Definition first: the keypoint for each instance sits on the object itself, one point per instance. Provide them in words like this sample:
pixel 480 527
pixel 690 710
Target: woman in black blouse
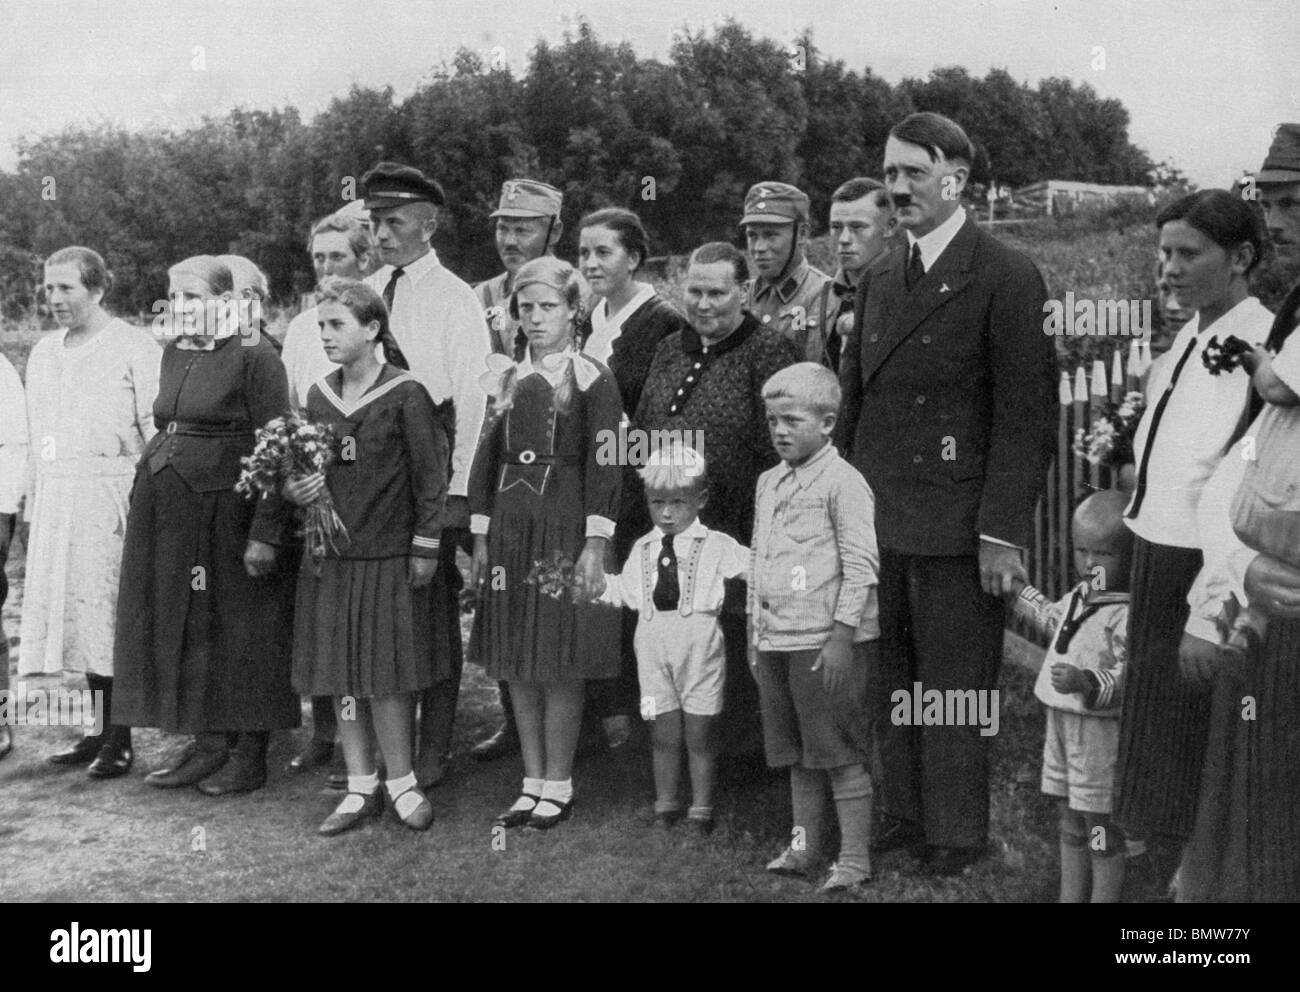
pixel 205 613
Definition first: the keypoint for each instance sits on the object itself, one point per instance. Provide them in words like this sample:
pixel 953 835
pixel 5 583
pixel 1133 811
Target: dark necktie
pixel 915 270
pixel 1140 490
pixel 392 353
pixel 667 591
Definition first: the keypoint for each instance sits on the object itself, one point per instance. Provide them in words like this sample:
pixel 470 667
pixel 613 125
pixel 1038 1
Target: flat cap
pixel 389 184
pixel 528 198
pixel 775 203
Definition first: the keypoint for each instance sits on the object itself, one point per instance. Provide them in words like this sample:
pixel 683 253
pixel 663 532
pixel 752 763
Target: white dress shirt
pixel 13 438
pixel 606 329
pixel 1202 413
pixel 438 323
pixel 721 558
pixel 934 243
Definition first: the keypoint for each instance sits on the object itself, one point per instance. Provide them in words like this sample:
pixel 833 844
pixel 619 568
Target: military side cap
pixel 528 198
pixel 1283 162
pixel 775 203
pixel 391 185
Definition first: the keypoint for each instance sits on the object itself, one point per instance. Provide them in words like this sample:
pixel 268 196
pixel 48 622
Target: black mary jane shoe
pixel 372 807
pixel 517 817
pixel 83 752
pixel 543 821
pixel 113 761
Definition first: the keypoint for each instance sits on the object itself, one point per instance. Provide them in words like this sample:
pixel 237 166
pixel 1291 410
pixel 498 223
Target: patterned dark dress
pixel 538 479
pixel 200 646
pixel 359 629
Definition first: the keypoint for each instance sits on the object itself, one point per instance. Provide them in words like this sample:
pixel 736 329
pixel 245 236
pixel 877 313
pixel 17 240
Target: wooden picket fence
pixel 1070 478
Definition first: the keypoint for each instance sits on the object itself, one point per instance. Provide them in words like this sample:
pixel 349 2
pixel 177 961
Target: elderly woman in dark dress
pixel 205 614
pixel 709 377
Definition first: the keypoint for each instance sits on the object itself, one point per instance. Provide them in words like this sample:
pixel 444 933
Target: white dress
pixel 89 413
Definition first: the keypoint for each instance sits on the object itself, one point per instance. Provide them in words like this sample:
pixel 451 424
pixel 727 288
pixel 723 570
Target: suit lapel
pixel 902 312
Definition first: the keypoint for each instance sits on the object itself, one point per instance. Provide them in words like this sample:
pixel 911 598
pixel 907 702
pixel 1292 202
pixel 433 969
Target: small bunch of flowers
pixel 554 575
pixel 1224 356
pixel 291 447
pixel 1110 440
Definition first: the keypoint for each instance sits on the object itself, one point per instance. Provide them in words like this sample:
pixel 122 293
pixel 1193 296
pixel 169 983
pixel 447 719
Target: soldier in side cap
pixel 528 226
pixel 437 331
pixel 787 293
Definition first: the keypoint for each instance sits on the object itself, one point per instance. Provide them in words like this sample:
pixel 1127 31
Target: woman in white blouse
pixel 13 471
pixel 90 393
pixel 1209 243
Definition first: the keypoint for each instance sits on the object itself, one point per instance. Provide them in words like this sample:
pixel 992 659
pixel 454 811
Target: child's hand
pixel 835 662
pixel 1068 678
pixel 753 656
pixel 589 572
pixel 595 592
pixel 259 559
pixel 420 571
pixel 1198 659
pixel 304 490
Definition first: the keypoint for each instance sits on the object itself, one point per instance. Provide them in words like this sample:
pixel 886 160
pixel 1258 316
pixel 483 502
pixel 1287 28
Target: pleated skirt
pixel 1246 843
pixel 1164 723
pixel 360 630
pixel 520 632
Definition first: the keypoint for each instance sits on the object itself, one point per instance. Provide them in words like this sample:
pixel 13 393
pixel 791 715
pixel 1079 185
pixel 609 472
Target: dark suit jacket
pixel 950 396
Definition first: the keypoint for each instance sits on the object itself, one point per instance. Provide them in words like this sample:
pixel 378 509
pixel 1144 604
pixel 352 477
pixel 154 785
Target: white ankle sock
pixel 532 787
pixel 366 785
pixel 404 788
pixel 556 794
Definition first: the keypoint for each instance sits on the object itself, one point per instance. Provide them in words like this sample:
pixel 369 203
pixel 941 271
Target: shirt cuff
pixel 598 526
pixel 425 547
pixel 998 540
pixel 1204 628
pixel 478 523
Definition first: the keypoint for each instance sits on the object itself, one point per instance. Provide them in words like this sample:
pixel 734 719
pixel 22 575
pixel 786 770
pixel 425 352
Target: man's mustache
pixel 901 199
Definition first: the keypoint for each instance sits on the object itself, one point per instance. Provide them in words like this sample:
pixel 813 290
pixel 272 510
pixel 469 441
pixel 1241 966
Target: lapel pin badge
pixel 944 288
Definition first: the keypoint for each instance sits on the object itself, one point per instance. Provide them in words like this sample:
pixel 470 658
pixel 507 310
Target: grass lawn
pixel 64 836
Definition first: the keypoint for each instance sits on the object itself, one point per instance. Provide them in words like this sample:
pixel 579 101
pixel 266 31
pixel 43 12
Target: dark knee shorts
pixel 805 725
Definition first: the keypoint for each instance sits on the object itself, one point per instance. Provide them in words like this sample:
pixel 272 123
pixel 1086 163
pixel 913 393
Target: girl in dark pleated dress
pixel 362 630
pixel 538 491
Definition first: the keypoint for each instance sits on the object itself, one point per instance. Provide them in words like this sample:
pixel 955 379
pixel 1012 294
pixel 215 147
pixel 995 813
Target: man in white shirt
pixel 439 333
pixel 13 481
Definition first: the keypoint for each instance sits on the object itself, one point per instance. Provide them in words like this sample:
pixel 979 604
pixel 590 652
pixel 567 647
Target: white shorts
pixel 680 663
pixel 1079 758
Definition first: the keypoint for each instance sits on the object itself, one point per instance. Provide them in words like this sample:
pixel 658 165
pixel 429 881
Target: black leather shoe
pixel 945 862
pixel 317 754
pixel 502 744
pixel 191 766
pixel 896 834
pixel 82 753
pixel 237 775
pixel 113 761
pixel 517 817
pixel 372 807
pixel 543 821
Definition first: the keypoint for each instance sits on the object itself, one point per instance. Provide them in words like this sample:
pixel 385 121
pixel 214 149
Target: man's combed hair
pixel 857 188
pixel 721 251
pixel 810 385
pixel 937 134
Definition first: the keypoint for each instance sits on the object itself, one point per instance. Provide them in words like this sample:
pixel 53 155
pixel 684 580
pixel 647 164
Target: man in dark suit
pixel 950 413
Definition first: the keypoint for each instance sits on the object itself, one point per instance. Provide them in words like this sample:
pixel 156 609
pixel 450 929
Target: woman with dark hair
pixel 205 621
pixel 625 326
pixel 1209 243
pixel 90 391
pixel 539 494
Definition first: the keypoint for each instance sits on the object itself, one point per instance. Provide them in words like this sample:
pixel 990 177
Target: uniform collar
pixel 787 287
pixel 934 243
pixel 692 343
pixel 809 472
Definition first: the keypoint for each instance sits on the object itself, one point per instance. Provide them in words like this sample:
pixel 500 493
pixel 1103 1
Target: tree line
pixel 678 141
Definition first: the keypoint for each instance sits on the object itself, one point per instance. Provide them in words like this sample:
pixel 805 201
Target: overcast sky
pixel 1204 80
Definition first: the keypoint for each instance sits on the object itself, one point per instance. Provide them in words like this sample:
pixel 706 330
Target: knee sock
pixel 1074 867
pixel 851 787
pixel 808 797
pixel 1108 862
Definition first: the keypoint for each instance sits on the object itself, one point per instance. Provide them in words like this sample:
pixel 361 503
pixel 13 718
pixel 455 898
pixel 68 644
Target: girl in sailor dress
pixel 540 493
pixel 362 630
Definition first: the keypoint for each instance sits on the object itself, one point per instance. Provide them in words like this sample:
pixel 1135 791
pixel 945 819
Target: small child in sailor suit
pixel 674 578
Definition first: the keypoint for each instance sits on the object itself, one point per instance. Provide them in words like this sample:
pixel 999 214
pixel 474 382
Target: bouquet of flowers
pixel 553 575
pixel 1224 356
pixel 1110 440
pixel 290 447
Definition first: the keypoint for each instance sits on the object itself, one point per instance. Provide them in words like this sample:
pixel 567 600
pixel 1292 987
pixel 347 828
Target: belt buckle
pixel 171 427
pixel 527 457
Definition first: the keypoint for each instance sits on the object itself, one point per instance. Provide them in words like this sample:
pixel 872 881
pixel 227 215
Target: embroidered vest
pixel 650 568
